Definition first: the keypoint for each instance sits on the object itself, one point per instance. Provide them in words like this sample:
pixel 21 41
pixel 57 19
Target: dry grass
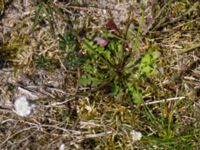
pixel 81 119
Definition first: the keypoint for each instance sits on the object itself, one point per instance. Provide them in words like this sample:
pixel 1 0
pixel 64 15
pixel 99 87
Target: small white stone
pixel 136 136
pixel 62 147
pixel 22 106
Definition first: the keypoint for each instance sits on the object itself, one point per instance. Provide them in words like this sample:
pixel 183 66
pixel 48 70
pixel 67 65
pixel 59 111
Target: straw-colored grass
pixel 32 64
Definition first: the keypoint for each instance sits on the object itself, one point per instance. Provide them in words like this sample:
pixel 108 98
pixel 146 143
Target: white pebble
pixel 62 147
pixel 136 136
pixel 22 106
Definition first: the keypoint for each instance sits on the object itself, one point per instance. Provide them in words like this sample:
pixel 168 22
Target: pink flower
pixel 101 41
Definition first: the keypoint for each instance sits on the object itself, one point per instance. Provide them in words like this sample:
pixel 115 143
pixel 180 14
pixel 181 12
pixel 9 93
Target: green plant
pixel 45 63
pixel 44 12
pixel 69 45
pixel 167 128
pixel 115 66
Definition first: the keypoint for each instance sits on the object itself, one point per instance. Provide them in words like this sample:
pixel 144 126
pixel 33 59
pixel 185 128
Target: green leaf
pixel 107 54
pixel 147 70
pixel 146 59
pixel 67 42
pixel 39 10
pixel 88 68
pixel 84 81
pixel 148 63
pixel 89 46
pixel 136 95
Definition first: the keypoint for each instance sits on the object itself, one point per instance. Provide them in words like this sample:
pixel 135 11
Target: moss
pixel 11 48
